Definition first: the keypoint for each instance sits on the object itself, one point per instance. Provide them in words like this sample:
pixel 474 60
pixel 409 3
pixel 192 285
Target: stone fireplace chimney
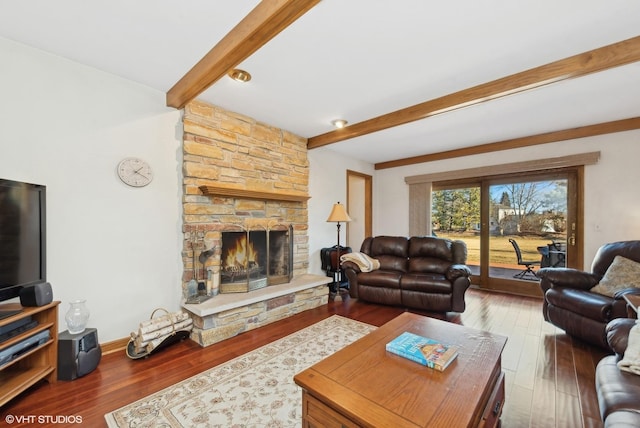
pixel 240 174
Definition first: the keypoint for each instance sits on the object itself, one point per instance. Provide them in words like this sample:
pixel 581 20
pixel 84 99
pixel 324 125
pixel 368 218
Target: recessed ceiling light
pixel 239 75
pixel 339 123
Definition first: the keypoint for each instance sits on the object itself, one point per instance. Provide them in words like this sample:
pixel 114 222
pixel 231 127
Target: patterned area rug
pixel 253 390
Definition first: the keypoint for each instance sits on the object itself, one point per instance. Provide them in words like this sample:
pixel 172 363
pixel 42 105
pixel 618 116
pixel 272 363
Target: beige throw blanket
pixel 631 360
pixel 364 262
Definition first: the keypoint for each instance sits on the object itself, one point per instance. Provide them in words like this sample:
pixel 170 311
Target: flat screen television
pixel 22 238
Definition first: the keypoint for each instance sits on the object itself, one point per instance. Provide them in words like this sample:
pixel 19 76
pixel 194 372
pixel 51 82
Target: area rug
pixel 253 390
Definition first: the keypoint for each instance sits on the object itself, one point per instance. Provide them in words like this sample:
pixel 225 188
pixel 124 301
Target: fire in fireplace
pixel 254 259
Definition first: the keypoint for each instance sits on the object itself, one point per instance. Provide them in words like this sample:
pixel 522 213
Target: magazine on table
pixel 423 350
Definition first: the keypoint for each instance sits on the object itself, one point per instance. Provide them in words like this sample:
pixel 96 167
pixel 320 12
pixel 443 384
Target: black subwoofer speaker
pixel 78 354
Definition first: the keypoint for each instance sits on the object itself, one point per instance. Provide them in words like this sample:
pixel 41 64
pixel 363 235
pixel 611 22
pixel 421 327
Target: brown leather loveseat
pixel 570 304
pixel 618 391
pixel 425 273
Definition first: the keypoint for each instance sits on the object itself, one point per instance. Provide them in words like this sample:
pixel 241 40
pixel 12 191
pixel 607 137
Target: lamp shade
pixel 338 214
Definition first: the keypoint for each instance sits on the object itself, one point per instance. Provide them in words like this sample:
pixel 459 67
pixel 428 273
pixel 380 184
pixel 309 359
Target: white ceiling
pixel 359 59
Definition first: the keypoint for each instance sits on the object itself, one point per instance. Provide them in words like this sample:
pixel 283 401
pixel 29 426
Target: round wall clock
pixel 135 172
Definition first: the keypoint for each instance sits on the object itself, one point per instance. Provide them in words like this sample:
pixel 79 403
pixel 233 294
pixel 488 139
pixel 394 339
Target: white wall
pixel 328 185
pixel 67 126
pixel 612 206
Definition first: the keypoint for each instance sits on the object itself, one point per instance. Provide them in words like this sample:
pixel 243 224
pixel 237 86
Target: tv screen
pixel 22 236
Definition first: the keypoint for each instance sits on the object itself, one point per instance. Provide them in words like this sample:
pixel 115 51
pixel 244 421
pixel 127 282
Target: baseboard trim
pixel 114 346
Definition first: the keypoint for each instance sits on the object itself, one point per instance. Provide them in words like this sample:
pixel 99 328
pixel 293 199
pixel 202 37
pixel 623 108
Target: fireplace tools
pixel 196 289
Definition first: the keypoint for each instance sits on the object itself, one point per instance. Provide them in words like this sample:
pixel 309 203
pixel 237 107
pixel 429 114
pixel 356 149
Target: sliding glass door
pixel 512 225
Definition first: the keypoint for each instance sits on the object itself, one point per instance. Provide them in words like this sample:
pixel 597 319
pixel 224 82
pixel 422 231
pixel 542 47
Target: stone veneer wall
pixel 230 150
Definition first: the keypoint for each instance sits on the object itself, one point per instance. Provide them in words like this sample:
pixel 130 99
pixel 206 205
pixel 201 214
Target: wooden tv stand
pixel 36 364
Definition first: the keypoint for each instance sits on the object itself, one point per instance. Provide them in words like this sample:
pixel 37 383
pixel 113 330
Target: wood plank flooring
pixel 549 376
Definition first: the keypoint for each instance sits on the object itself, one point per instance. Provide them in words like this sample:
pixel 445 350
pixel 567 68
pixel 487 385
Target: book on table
pixel 428 352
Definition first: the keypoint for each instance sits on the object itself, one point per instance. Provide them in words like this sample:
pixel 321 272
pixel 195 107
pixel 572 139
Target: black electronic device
pixel 39 294
pixel 78 354
pixel 17 327
pixel 12 352
pixel 4 329
pixel 22 238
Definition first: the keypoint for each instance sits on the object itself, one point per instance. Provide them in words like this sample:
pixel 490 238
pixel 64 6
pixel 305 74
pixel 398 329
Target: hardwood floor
pixel 549 376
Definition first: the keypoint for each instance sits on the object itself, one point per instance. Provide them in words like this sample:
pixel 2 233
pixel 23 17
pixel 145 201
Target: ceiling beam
pixel 263 23
pixel 532 140
pixel 614 55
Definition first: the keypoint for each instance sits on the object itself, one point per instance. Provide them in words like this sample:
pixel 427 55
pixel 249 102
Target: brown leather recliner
pixel 569 303
pixel 425 273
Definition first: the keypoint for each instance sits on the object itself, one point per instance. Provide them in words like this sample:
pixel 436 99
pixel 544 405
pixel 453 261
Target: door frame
pixel 575 251
pixel 575 216
pixel 367 202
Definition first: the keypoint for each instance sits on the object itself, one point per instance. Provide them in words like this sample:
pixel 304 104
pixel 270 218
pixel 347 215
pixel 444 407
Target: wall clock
pixel 135 172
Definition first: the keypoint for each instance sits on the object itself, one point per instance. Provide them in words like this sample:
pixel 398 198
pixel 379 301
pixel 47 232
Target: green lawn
pixel 501 250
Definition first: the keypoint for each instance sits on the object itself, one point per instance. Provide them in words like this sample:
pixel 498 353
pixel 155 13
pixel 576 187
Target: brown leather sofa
pixel 425 273
pixel 569 303
pixel 618 391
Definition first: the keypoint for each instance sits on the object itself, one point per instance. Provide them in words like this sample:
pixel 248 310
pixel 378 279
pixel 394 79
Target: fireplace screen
pixel 254 259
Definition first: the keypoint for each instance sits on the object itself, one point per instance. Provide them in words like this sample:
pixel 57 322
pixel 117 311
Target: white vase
pixel 77 316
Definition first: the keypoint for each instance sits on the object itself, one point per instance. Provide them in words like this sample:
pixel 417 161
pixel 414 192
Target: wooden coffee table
pixel 364 385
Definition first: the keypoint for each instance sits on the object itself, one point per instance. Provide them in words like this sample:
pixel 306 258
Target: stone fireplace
pixel 245 180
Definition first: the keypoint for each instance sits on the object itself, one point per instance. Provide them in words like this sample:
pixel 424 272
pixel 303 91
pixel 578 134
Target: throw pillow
pixel 622 273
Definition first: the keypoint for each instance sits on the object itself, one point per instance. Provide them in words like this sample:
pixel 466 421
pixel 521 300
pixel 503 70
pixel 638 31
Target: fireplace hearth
pixel 254 259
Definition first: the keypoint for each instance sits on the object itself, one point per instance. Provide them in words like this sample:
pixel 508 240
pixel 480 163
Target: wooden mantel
pixel 252 194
